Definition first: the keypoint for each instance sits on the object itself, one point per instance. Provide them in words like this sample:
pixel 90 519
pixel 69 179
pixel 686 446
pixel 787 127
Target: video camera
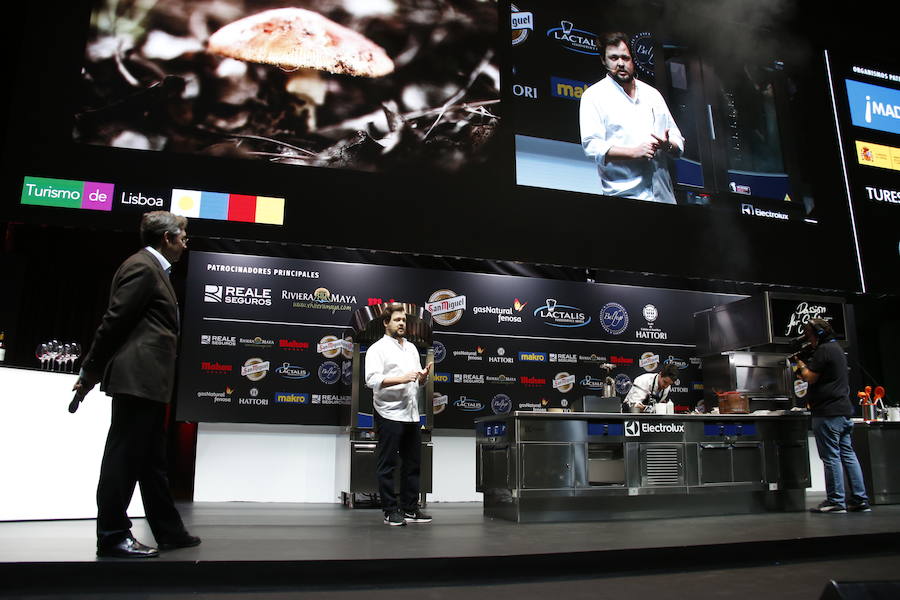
pixel 801 349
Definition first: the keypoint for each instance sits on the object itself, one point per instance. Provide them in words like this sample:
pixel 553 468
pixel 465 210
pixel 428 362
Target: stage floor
pixel 325 544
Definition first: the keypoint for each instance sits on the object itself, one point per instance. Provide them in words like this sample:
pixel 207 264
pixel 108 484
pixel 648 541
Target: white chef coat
pixel 610 117
pixel 387 358
pixel 643 386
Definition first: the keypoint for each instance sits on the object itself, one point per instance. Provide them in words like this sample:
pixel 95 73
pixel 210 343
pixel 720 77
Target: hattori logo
pixel 650 331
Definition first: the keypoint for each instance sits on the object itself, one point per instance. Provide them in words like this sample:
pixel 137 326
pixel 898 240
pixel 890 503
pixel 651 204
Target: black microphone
pixel 76 400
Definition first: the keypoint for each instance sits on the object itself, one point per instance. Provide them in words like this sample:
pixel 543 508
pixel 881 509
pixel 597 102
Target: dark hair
pixel 390 310
pixel 155 224
pixel 820 328
pixel 613 38
pixel 670 371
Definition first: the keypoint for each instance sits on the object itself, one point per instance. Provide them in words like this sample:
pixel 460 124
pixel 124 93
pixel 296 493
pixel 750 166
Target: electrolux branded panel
pixel 265 339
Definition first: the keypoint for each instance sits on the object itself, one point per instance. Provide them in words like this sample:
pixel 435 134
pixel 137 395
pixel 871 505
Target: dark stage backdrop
pixel 262 338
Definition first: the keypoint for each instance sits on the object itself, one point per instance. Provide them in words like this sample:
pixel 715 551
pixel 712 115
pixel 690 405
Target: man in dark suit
pixel 133 358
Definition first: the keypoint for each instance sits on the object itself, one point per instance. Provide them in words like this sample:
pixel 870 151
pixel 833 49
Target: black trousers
pixel 135 453
pixel 398 442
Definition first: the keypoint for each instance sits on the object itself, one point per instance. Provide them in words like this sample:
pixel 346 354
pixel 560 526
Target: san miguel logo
pixel 522 23
pixel 446 307
pixel 561 315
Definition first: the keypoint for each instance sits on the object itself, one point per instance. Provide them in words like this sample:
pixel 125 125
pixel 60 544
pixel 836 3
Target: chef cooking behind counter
pixel 649 389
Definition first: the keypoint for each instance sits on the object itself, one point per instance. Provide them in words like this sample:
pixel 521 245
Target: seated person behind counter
pixel 649 389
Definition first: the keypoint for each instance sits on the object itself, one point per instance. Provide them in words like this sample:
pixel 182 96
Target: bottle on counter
pixel 2 346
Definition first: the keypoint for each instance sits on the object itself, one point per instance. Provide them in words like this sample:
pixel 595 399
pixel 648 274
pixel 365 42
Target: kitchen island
pixel 534 466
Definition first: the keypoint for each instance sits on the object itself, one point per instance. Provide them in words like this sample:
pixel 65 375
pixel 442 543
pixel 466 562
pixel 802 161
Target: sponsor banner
pixel 281 326
pixel 877 155
pixel 874 106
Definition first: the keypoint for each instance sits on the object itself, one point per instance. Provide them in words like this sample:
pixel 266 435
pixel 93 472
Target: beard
pixel 621 77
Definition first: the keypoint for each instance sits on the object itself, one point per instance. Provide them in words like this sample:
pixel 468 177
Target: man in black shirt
pixel 829 401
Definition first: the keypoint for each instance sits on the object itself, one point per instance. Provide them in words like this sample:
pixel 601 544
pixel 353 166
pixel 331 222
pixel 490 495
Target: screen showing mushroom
pixel 371 85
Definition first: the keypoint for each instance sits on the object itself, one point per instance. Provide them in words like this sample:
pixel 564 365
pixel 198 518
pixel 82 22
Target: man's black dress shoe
pixel 185 541
pixel 126 548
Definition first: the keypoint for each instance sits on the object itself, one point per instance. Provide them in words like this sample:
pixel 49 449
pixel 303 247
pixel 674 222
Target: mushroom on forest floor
pixel 302 42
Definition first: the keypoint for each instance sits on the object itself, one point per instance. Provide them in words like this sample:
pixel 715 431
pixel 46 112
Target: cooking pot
pixel 733 403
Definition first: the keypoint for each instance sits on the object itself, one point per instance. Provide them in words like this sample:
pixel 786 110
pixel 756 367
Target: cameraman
pixel 829 401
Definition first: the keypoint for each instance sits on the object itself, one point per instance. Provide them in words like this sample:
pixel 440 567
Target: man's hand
pixel 647 149
pixel 84 385
pixel 663 143
pixel 423 374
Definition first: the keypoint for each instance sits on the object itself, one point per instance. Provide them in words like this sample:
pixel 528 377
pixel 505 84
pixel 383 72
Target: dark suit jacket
pixel 134 347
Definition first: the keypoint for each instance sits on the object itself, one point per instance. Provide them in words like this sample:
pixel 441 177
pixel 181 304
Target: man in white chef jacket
pixel 628 130
pixel 394 372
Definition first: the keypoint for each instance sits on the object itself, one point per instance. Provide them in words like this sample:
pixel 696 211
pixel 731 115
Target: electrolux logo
pixel 66 193
pixel 636 428
pixel 749 209
pixel 560 87
pixel 874 106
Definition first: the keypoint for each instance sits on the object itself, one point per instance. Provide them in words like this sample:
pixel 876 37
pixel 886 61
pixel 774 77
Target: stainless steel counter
pixel 594 466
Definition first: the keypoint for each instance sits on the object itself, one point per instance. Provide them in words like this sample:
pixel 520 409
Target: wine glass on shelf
pixel 64 356
pixel 52 352
pixel 76 354
pixel 41 353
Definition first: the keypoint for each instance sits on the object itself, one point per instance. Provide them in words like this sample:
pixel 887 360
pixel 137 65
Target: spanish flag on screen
pixel 228 207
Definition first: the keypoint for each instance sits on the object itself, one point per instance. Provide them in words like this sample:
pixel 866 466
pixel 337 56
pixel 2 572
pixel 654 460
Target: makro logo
pixel 560 87
pixel 290 398
pixel 67 193
pixel 561 315
pixel 522 23
pixel 749 209
pixel 576 40
pixel 443 377
pixel 229 294
pixel 874 106
pixel 532 356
